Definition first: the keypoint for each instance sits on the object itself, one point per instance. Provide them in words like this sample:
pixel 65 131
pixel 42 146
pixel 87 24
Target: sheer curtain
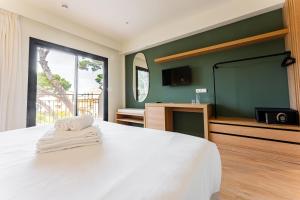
pixel 11 77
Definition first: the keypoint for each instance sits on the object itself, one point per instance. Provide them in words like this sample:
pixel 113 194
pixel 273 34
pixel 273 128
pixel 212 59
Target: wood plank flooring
pixel 250 177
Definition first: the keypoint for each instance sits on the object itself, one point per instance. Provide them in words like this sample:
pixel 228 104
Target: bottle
pixel 198 98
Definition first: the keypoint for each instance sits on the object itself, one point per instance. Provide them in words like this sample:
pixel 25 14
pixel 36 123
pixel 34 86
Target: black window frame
pixel 32 76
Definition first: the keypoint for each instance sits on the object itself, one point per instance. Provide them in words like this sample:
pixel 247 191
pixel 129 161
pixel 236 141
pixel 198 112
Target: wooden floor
pixel 249 177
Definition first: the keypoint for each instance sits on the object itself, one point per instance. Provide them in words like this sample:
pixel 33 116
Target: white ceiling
pixel 109 17
pixel 150 22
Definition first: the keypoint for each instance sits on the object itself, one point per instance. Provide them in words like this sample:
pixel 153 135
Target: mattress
pixel 131 164
pixel 132 111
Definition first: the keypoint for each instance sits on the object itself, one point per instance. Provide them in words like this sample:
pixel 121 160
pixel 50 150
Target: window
pixel 64 82
pixel 142 83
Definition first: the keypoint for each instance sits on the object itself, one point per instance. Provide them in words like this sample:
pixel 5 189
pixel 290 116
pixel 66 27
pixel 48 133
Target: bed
pixel 131 164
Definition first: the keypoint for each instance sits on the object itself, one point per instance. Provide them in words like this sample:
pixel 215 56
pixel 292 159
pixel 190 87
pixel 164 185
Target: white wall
pixel 41 31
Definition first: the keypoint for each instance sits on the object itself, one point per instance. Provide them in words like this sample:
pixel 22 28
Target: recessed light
pixel 64 6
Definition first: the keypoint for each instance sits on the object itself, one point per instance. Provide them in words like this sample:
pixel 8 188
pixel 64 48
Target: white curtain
pixel 11 77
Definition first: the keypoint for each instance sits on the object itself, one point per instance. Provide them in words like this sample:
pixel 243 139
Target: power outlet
pixel 201 90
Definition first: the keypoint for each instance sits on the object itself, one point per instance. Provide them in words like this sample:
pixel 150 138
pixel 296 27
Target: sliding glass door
pixel 55 95
pixel 90 86
pixel 64 82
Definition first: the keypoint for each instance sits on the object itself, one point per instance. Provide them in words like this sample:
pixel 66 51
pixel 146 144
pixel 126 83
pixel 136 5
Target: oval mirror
pixel 140 77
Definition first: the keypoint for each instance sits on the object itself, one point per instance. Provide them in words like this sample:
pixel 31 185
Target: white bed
pixel 130 164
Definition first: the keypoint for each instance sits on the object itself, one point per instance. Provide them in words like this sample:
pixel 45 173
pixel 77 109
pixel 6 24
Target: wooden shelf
pixel 252 123
pixel 130 117
pixel 224 46
pixel 130 120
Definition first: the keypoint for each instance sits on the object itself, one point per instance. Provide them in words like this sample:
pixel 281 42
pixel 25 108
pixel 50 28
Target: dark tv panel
pixel 166 77
pixel 177 76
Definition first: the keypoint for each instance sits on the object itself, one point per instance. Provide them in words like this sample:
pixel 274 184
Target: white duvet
pixel 130 164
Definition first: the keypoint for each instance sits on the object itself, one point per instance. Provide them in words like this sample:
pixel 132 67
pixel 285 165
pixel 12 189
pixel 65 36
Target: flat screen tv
pixel 177 76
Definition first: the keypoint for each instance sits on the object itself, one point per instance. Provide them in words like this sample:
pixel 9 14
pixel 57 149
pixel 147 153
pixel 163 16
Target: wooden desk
pixel 160 115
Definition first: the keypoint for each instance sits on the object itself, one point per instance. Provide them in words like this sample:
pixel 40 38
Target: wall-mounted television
pixel 177 76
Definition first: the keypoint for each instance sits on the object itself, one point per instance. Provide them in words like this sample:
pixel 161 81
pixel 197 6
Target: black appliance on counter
pixel 277 116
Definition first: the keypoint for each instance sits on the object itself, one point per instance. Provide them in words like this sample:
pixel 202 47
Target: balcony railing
pixel 50 108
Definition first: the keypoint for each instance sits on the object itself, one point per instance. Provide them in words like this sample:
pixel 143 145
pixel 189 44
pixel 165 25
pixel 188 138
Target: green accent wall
pixel 240 86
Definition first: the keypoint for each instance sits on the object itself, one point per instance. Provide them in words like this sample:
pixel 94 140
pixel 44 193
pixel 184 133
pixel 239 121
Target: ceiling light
pixel 64 6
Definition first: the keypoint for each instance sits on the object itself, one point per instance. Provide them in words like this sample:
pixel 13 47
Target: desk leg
pixel 169 119
pixel 206 114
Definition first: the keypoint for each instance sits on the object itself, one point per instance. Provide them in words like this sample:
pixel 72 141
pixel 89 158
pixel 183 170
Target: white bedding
pixel 132 111
pixel 131 164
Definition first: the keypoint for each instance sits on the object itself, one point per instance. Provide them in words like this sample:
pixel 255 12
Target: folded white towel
pixel 69 146
pixel 74 123
pixel 56 135
pixel 80 122
pixel 68 142
pixel 55 140
pixel 62 124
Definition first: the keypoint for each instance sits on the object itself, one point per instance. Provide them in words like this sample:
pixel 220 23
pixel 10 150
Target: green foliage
pixel 94 65
pixel 44 82
pixel 99 80
pixel 87 64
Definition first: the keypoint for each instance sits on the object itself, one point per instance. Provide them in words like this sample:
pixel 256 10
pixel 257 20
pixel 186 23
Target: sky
pixel 64 64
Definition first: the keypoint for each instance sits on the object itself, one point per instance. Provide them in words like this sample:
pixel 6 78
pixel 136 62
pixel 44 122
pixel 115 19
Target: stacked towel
pixel 67 135
pixel 62 125
pixel 74 123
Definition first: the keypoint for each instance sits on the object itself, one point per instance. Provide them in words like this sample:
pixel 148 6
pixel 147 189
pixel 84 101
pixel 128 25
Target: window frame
pixel 32 76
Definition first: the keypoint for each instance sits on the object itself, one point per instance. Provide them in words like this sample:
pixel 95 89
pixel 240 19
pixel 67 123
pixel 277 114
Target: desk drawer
pixel 257 147
pixel 265 133
pixel 155 118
